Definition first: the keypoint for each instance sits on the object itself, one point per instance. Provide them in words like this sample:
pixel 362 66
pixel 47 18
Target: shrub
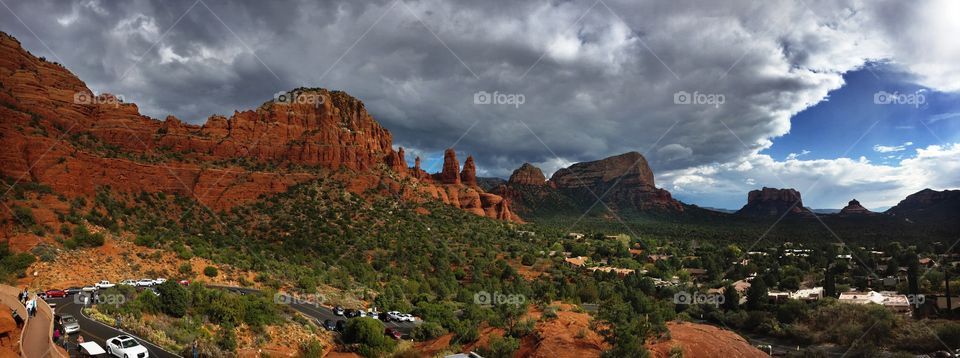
pixel 368 332
pixel 173 298
pixel 24 216
pixel 186 269
pixel 427 331
pixel 311 349
pixel 227 338
pixel 210 271
pixel 500 347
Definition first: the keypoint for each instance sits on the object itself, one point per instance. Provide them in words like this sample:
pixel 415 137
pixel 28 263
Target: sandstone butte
pixel 773 202
pixel 55 131
pixel 626 179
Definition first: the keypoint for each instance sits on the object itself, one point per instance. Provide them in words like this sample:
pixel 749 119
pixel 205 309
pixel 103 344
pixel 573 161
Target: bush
pixel 84 238
pixel 24 216
pixel 528 260
pixel 173 298
pixel 311 349
pixel 186 269
pixel 368 332
pixel 226 338
pixel 427 331
pixel 210 271
pixel 500 347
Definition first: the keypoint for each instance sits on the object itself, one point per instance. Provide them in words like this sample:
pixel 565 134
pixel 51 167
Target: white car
pixel 394 315
pixel 145 282
pixel 159 281
pixel 89 288
pixel 406 317
pixel 126 347
pixel 104 284
pixel 128 283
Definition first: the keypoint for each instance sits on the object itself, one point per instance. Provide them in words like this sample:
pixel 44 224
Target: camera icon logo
pixel 482 97
pixel 82 98
pixel 883 97
pixel 283 96
pixel 682 298
pixel 682 97
pixel 482 298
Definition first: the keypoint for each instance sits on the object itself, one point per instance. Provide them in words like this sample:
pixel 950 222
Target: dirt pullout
pixel 701 340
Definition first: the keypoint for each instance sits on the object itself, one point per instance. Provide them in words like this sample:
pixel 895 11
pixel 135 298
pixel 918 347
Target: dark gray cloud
pixel 598 78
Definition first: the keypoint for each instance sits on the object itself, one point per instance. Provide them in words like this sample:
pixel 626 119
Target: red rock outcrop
pixel 854 208
pixel 57 132
pixel 451 168
pixel 772 202
pixel 469 174
pixel 527 174
pixel 626 179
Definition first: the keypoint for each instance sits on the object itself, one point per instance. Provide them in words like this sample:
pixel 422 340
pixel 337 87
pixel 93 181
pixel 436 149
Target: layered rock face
pixel 469 174
pixel 929 205
pixel 626 178
pixel 854 208
pixel 772 202
pixel 527 174
pixel 56 132
pixel 450 173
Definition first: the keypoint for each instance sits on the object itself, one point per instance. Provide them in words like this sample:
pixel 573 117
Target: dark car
pixel 329 325
pixel 73 290
pixel 383 316
pixel 341 324
pixel 55 293
pixel 393 333
pixel 350 313
pixel 338 311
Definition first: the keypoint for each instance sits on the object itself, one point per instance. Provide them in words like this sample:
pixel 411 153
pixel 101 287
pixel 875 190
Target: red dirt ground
pixel 706 341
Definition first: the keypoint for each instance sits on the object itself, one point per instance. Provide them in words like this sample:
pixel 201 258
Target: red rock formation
pixel 854 208
pixel 469 174
pixel 626 179
pixel 773 202
pixel 451 168
pixel 527 174
pixel 56 132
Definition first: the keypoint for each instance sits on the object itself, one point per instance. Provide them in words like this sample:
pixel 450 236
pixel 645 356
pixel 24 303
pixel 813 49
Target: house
pixel 622 272
pixel 655 258
pixel 636 252
pixel 891 300
pixel 927 262
pixel 696 272
pixel 575 236
pixel 807 294
pixel 526 233
pixel 578 261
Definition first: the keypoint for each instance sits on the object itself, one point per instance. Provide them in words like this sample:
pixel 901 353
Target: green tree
pixel 368 332
pixel 757 294
pixel 174 299
pixel 210 271
pixel 501 347
pixel 731 298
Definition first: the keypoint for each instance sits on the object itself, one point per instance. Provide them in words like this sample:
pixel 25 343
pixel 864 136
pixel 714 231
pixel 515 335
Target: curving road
pixel 96 331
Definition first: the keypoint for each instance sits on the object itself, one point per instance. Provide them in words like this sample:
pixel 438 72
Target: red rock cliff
pixel 56 132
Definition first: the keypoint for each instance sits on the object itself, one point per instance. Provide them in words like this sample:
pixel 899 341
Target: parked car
pixel 329 325
pixel 383 316
pixel 406 317
pixel 91 349
pixel 70 324
pixel 128 283
pixel 341 324
pixel 73 290
pixel 372 313
pixel 184 282
pixel 89 288
pixel 350 313
pixel 393 333
pixel 338 311
pixel 104 284
pixel 125 346
pixel 393 316
pixel 159 281
pixel 55 293
pixel 145 282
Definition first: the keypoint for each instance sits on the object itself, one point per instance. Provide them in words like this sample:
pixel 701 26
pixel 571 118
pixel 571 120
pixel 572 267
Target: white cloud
pixel 895 148
pixel 824 183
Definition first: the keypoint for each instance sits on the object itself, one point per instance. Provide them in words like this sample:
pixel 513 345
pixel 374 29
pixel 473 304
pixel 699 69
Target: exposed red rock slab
pixel 704 341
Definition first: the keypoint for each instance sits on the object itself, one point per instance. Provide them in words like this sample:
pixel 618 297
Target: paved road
pixel 98 332
pixel 321 313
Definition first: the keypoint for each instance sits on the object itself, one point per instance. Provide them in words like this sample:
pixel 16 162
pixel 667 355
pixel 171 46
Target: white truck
pixel 104 284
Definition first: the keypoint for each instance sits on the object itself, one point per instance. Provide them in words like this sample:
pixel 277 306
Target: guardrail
pixel 8 296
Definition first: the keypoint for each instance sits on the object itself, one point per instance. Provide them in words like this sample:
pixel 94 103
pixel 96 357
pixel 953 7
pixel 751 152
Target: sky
pixel 839 99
